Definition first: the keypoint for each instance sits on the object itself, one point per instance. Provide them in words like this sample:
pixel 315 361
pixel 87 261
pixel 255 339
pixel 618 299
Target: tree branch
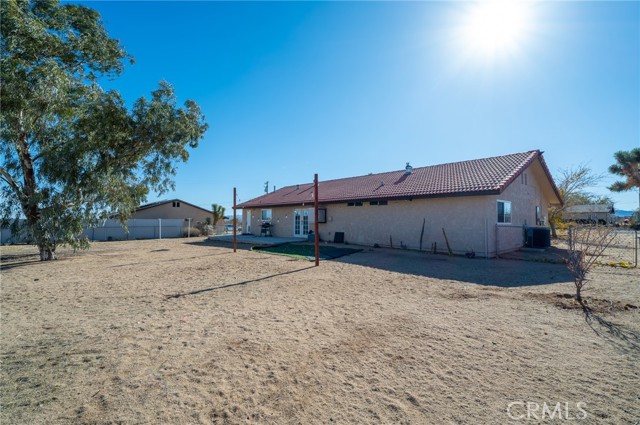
pixel 7 177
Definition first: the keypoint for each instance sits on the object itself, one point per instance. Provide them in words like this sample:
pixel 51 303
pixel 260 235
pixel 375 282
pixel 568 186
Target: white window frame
pixel 262 215
pixel 504 215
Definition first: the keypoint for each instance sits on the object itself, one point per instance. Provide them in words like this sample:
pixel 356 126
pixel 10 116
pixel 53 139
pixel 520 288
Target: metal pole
pixel 315 225
pixel 159 228
pixel 189 231
pixel 234 221
pixel 636 246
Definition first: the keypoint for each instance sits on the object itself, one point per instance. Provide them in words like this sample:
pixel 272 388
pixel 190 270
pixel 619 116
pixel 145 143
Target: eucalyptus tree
pixel 72 152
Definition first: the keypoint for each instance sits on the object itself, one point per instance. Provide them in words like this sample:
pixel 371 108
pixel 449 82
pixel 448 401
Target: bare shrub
pixel 193 232
pixel 586 245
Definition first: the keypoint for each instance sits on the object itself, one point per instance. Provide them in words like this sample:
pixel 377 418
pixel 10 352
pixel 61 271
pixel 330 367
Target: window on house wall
pixel 504 212
pixel 382 203
pixel 176 204
pixel 265 215
pixel 350 204
pixel 358 204
pixel 538 218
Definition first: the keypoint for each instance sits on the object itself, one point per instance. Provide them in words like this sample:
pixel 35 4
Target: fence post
pixel 570 238
pixel 159 228
pixel 636 247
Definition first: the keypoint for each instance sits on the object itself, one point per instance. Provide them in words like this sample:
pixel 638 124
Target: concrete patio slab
pixel 254 240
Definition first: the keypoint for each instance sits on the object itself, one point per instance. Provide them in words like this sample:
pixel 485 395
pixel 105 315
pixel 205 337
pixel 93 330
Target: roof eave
pixel 374 198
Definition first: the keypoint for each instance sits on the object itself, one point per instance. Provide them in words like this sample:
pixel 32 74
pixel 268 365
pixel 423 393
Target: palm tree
pixel 218 213
pixel 628 166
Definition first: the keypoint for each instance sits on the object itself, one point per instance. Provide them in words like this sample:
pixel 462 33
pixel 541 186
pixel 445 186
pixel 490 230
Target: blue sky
pixel 348 88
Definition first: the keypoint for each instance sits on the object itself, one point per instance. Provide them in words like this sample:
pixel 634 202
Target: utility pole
pixel 235 243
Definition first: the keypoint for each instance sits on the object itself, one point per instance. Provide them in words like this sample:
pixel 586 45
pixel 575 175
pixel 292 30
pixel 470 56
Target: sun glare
pixel 494 28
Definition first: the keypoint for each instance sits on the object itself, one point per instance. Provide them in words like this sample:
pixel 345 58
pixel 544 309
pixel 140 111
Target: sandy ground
pixel 181 332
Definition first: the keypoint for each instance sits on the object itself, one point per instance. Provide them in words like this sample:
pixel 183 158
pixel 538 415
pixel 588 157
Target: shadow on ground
pixel 220 244
pixel 488 272
pixel 621 337
pixel 231 285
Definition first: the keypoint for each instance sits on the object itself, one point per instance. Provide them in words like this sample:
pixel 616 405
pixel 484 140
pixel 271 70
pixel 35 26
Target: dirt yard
pixel 181 332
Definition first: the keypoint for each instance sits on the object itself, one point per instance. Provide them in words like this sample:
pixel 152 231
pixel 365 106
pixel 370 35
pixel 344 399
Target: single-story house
pixel 592 213
pixel 172 209
pixel 479 206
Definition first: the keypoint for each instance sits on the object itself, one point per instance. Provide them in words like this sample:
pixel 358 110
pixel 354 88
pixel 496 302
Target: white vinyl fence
pixel 111 230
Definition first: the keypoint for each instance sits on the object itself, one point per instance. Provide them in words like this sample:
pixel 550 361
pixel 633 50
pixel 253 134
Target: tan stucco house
pixel 483 205
pixel 173 209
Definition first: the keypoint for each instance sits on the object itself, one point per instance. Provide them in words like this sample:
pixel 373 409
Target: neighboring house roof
pixel 169 201
pixel 476 177
pixel 591 208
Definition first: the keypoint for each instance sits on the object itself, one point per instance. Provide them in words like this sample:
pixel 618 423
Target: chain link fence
pixel 623 250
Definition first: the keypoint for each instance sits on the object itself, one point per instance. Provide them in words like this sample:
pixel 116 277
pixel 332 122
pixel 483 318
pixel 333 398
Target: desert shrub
pixel 204 227
pixel 587 244
pixel 195 232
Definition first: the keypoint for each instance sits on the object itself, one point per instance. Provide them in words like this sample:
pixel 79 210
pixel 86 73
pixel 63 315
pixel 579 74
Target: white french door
pixel 300 223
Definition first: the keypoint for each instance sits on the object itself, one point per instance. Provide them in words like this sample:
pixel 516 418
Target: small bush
pixel 195 232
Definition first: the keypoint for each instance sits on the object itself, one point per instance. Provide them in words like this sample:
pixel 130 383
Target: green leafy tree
pixel 628 166
pixel 72 152
pixel 218 213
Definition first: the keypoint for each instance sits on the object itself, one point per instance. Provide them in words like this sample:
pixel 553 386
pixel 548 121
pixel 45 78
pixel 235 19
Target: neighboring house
pixel 595 213
pixel 482 205
pixel 173 208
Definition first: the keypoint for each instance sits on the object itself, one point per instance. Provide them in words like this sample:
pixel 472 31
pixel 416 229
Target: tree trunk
pixel 554 234
pixel 28 199
pixel 578 293
pixel 46 253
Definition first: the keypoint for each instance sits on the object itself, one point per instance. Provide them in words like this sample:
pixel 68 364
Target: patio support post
pixel 315 224
pixel 234 221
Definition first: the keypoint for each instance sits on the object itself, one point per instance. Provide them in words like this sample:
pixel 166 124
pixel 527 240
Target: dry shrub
pixel 587 243
pixel 195 232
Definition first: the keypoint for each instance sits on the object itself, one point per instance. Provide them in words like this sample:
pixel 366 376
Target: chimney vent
pixel 408 169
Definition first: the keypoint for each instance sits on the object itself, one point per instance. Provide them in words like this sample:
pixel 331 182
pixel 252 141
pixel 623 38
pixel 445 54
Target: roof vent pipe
pixel 408 169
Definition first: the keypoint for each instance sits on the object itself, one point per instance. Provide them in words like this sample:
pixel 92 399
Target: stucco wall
pixel 169 211
pixel 281 220
pixel 470 222
pixel 525 194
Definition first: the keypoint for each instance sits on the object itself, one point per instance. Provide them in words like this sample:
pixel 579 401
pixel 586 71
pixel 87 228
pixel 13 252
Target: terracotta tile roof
pixel 475 177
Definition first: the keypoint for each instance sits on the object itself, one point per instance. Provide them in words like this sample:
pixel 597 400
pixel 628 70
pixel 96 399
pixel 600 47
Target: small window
pixel 504 212
pixel 322 215
pixel 350 204
pixel 382 203
pixel 265 215
pixel 358 204
pixel 373 203
pixel 176 204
